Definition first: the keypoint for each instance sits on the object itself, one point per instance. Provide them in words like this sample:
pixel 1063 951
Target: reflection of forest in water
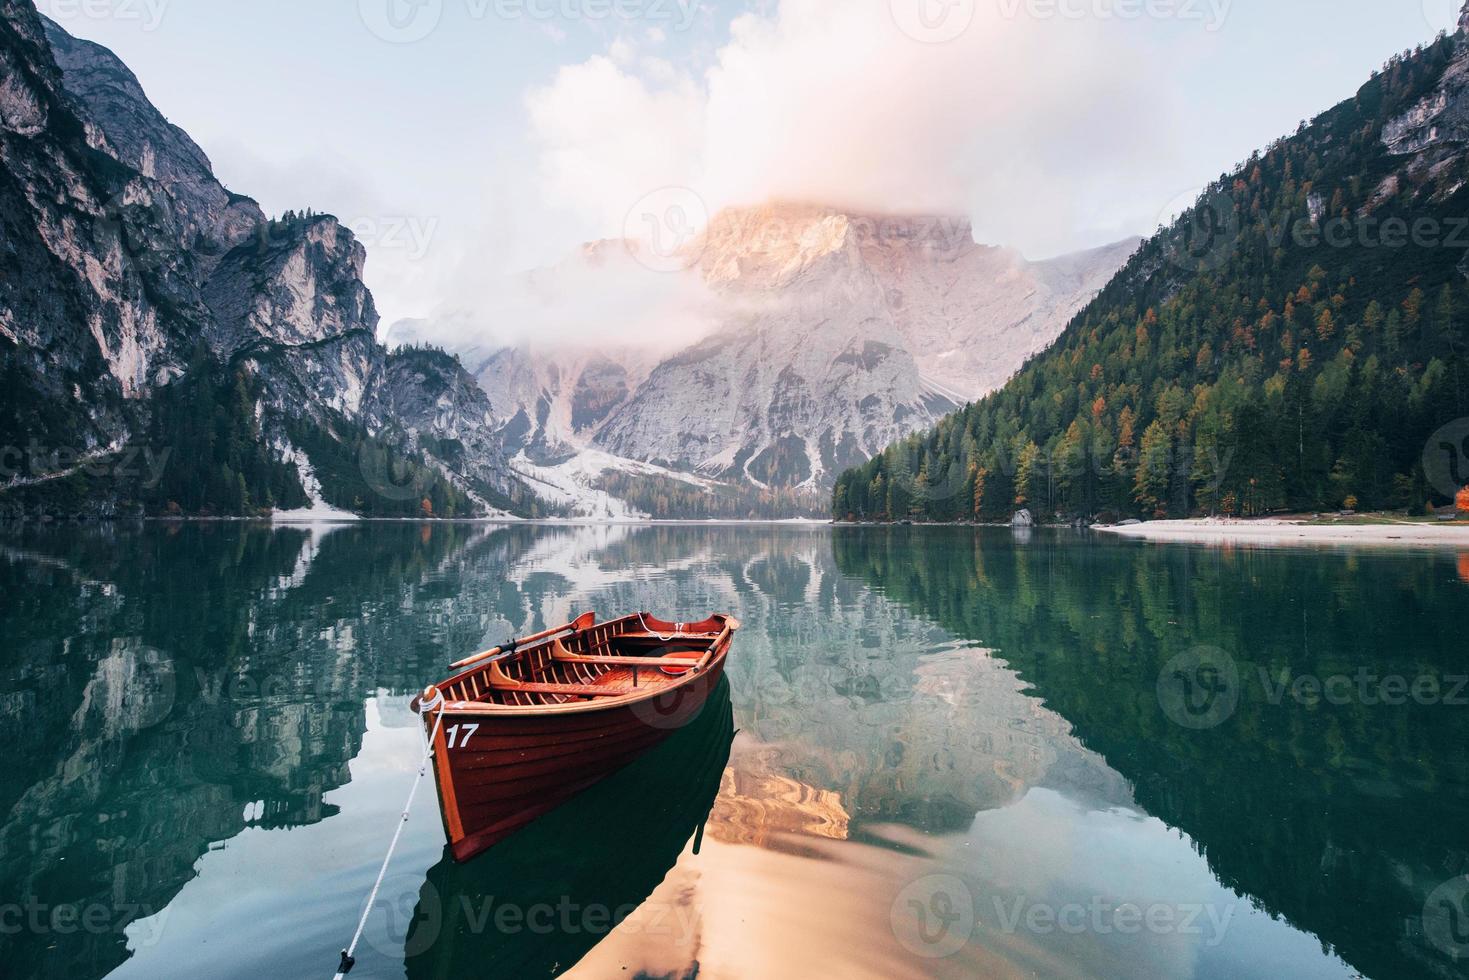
pixel 1341 818
pixel 166 688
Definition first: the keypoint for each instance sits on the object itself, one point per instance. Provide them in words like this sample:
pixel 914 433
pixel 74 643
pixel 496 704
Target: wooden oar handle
pixel 584 621
pixel 477 658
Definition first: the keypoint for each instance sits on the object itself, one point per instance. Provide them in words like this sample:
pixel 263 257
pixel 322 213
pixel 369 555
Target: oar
pixel 584 621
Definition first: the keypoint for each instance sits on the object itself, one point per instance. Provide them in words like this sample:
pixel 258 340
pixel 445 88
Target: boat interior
pixel 637 655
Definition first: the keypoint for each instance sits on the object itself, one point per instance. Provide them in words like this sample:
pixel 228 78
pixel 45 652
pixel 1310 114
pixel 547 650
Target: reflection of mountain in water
pixel 171 686
pixel 165 692
pixel 1339 818
pixel 847 693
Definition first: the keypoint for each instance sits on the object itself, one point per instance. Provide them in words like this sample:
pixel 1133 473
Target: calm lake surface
pixel 960 753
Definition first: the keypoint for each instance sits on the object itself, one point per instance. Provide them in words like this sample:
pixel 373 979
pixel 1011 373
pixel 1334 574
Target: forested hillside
pixel 1295 341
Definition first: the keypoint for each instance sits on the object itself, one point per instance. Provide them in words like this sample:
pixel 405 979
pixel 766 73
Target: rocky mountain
pixel 844 332
pixel 130 277
pixel 554 400
pixel 826 335
pixel 1295 341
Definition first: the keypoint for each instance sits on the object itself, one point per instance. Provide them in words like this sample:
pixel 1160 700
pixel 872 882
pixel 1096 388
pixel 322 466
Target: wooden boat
pixel 527 726
pixel 662 799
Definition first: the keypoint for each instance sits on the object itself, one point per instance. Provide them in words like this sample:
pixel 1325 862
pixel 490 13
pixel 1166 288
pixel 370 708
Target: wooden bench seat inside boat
pixel 574 690
pixel 564 674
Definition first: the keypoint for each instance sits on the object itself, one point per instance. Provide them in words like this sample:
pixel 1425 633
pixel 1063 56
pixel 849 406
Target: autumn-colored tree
pixel 1028 475
pixel 1151 486
pixel 1325 324
pixel 1413 310
pixel 1289 379
pixel 1461 502
pixel 426 507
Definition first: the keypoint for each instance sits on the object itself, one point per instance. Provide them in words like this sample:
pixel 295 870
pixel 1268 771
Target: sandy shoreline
pixel 1268 533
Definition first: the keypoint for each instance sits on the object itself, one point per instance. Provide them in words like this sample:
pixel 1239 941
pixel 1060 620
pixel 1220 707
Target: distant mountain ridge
pixel 135 288
pixel 830 334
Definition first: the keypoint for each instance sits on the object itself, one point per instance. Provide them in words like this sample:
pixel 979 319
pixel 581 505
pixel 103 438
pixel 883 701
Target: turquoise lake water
pixel 960 753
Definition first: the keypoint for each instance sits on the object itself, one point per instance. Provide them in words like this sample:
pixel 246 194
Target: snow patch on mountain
pixel 572 483
pixel 319 511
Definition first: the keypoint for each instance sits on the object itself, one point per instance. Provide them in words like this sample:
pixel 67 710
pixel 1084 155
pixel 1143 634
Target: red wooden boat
pixel 529 725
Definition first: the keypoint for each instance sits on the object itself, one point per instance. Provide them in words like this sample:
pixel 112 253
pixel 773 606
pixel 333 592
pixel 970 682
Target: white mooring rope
pixel 677 631
pixel 348 960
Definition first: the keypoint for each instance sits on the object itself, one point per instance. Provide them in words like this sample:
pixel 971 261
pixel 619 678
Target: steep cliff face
pixel 211 218
pixel 123 256
pixel 841 333
pixel 553 402
pixel 75 312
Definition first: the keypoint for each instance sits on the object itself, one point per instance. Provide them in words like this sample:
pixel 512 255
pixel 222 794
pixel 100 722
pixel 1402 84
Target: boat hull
pixel 497 773
pixel 666 796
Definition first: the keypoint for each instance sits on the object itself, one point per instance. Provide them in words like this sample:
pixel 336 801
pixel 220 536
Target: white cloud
pixel 592 297
pixel 1035 128
pixel 621 52
pixel 606 138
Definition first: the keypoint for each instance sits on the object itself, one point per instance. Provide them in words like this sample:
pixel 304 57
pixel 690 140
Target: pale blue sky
pixel 1055 133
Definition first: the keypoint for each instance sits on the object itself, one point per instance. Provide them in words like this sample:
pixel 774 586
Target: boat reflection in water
pixel 536 903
